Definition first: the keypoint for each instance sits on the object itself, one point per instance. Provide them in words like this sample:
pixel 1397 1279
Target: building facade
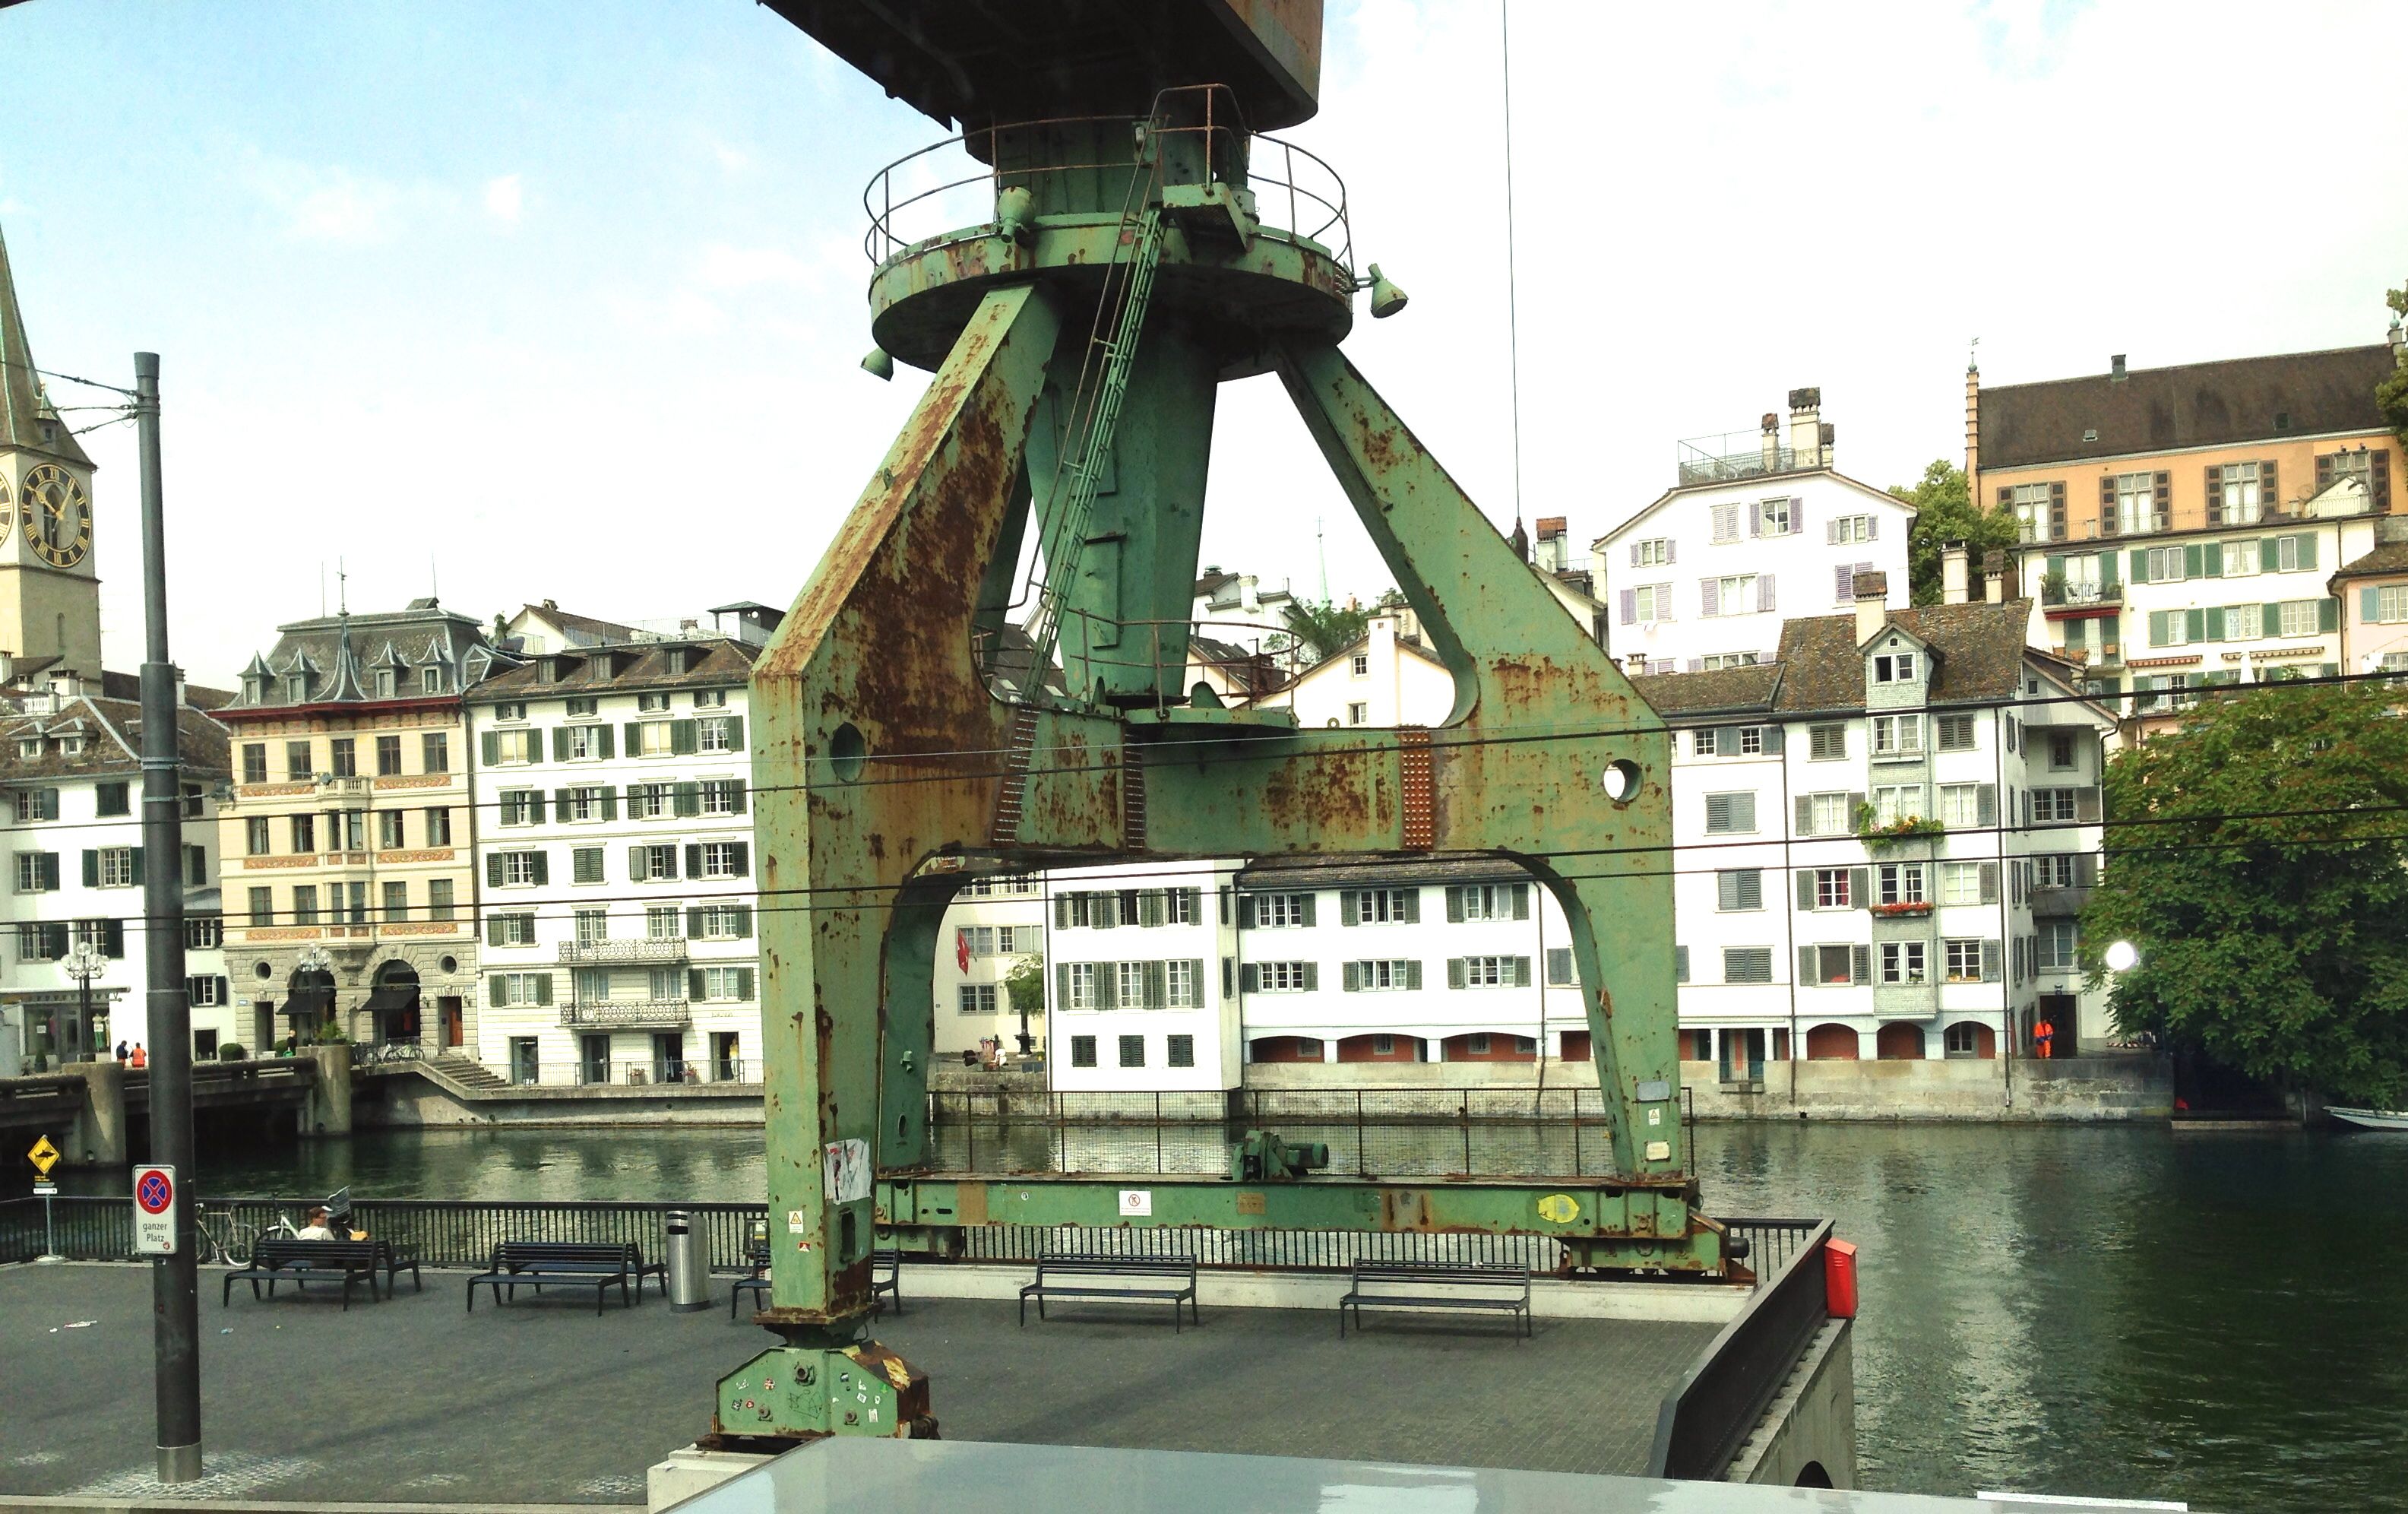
pixel 614 866
pixel 351 829
pixel 2142 492
pixel 995 925
pixel 1145 978
pixel 2371 589
pixel 1705 576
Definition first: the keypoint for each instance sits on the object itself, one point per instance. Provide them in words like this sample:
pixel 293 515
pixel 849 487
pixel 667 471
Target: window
pixel 342 759
pixel 655 738
pixel 975 997
pixel 254 762
pixel 725 983
pixel 1183 985
pixel 652 864
pixel 1833 889
pixel 716 733
pixel 1747 964
pixel 710 699
pixel 1730 813
pixel 588 801
pixel 111 867
pixel 510 748
pixel 516 930
pixel 2061 749
pixel 723 796
pixel 388 755
pixel 2055 870
pixel 1279 912
pixel 1132 1051
pixel 1900 883
pixel 1181 1051
pixel 1284 977
pixel 112 799
pixel 1847 529
pixel 979 938
pixel 1082 1051
pixel 1732 595
pixel 2135 496
pixel 262 906
pixel 2241 560
pixel 583 708
pixel 578 744
pixel 2386 604
pixel 1960 806
pixel 1380 906
pixel 1894 803
pixel 504 990
pixel 297 766
pixel 2060 946
pixel 1773 517
pixel 516 869
pixel 254 835
pixel 435 752
pixel 1965 882
pixel 305 904
pixel 648 802
pixel 1738 888
pixel 1357 714
pixel 1827 743
pixel 1894 667
pixel 1953 733
pixel 1725 520
pixel 1960 961
pixel 1726 659
pixel 723 860
pixel 396 900
pixel 2372 469
pixel 1489 901
pixel 438 827
pixel 1896 736
pixel 1833 964
pixel 1488 972
pixel 653 703
pixel 2301 617
pixel 1655 552
pixel 1359 665
pixel 1902 962
pixel 203 932
pixel 1559 967
pixel 305 833
pixel 519 806
pixel 2235 487
pixel 1650 602
pixel 2032 506
pixel 1731 741
pixel 389 830
pixel 430 679
pixel 2055 804
pixel 1827 814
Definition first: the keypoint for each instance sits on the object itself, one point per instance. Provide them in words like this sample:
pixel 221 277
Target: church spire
pixel 27 418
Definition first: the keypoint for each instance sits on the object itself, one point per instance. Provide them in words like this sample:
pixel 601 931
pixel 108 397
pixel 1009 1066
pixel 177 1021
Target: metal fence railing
pixel 1371 1133
pixel 1709 1415
pixel 451 1233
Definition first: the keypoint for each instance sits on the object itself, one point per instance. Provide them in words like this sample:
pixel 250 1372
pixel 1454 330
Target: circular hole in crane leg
pixel 847 750
pixel 1620 780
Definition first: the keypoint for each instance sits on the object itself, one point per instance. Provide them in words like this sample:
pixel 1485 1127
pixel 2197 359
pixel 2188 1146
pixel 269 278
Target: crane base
pixel 793 1393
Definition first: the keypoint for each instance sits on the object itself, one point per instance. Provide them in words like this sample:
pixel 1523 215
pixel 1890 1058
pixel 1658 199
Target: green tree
pixel 1025 986
pixel 1945 511
pixel 1323 628
pixel 2392 395
pixel 2257 858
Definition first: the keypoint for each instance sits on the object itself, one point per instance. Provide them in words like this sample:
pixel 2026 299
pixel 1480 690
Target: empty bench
pixel 886 1276
pixel 1139 1279
pixel 1381 1285
pixel 601 1265
pixel 276 1260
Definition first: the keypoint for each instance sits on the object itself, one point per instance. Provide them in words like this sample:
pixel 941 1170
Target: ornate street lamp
pixel 83 962
pixel 314 959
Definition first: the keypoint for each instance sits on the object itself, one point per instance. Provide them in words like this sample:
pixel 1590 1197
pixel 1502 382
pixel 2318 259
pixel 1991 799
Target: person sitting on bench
pixel 316 1230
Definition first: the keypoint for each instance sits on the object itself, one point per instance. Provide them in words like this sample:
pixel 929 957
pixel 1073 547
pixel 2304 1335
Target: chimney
pixel 1873 603
pixel 1769 443
pixel 2399 343
pixel 1806 428
pixel 1993 576
pixel 1636 663
pixel 2115 368
pixel 1954 557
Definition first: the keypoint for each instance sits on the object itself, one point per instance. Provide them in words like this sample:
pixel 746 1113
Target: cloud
pixel 504 198
pixel 732 159
pixel 337 206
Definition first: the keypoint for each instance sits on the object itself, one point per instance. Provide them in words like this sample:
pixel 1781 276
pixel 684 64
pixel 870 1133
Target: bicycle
pixel 225 1241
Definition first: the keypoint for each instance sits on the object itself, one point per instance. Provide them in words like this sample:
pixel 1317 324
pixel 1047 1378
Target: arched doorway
pixel 1832 1044
pixel 393 1003
pixel 1900 1041
pixel 308 1003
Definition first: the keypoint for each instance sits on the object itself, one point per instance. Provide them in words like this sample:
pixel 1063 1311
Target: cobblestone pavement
pixel 536 1401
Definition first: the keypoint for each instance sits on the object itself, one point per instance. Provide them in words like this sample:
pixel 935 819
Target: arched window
pixel 1831 1044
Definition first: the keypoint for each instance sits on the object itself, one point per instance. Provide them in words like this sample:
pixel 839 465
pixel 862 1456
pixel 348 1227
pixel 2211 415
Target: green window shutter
pixel 1860 964
pixel 493 870
pixel 1454 972
pixel 2140 565
pixel 1989 962
pixel 2272 619
pixel 1312 977
pixel 1521 972
pixel 1986 805
pixel 1061 982
pixel 2269 554
pixel 735 733
pixel 739 918
pixel 2215 624
pixel 495 996
pixel 2328 619
pixel 744 983
pixel 2195 624
pixel 112 939
pixel 1989 876
pixel 634 737
pixel 221 991
pixel 492 929
pixel 2370 604
pixel 1245 912
pixel 1107 986
pixel 560 803
pixel 686 798
pixel 610 800
pixel 1352 977
pixel 681 737
pixel 1454 911
pixel 1346 909
pixel 91 867
pixel 1521 902
pixel 695 984
pixel 1310 902
pixel 743 857
pixel 1413 906
pixel 2107 567
pixel 2192 565
pixel 1680 964
pixel 542 987
pixel 1061 912
pixel 1413 973
pixel 535 806
pixel 1802 822
pixel 1805 888
pixel 542 867
pixel 1806 957
pixel 736 795
pixel 1156 976
pixel 490 744
pixel 2157 628
pixel 603 735
pixel 2307 551
pixel 1860 883
pixel 1250 978
pixel 560 744
pixel 635 864
pixel 693 922
pixel 693 860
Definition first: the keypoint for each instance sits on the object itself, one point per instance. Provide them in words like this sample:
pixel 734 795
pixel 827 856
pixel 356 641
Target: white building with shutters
pixel 992 925
pixel 1750 536
pixel 1143 977
pixel 613 863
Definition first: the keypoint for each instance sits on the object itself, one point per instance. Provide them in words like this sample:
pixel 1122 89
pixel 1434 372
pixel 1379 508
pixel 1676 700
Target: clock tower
pixel 49 590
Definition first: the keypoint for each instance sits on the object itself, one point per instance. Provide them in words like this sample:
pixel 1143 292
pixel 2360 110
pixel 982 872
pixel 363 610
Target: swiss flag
pixel 962 949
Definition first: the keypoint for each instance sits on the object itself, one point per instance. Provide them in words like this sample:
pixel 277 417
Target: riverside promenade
pixel 415 1400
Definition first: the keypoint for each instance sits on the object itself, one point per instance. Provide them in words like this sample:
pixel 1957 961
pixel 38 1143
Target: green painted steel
pixel 790 1391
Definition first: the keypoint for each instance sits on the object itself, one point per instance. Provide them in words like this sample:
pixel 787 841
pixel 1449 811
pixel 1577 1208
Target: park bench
pixel 1384 1285
pixel 394 1261
pixel 1114 1278
pixel 886 1276
pixel 599 1264
pixel 276 1260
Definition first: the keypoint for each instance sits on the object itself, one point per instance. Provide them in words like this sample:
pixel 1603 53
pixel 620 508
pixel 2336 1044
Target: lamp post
pixel 313 961
pixel 84 963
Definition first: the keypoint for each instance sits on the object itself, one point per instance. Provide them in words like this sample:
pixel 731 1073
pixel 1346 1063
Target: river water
pixel 2092 1311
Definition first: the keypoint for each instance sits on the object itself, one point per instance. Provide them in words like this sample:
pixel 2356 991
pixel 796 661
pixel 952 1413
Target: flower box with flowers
pixel 1913 907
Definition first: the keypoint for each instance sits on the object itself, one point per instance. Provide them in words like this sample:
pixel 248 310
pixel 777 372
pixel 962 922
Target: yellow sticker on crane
pixel 1559 1209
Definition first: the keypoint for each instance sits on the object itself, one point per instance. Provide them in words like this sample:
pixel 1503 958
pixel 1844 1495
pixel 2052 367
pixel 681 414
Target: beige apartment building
pixel 347 844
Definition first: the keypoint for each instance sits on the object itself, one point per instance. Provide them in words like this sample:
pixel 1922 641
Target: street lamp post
pixel 84 963
pixel 313 961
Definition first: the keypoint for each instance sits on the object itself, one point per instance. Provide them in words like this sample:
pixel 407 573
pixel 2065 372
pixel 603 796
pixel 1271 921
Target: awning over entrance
pixel 389 998
pixel 309 1001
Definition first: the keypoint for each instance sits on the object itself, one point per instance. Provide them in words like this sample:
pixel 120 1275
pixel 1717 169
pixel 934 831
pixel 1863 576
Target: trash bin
pixel 689 1275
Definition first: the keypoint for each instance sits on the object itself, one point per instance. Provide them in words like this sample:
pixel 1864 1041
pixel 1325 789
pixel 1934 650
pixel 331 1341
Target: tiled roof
pixel 1256 673
pixel 1749 687
pixel 128 687
pixel 583 630
pixel 2193 405
pixel 339 652
pixel 1977 654
pixel 113 732
pixel 2383 561
pixel 623 669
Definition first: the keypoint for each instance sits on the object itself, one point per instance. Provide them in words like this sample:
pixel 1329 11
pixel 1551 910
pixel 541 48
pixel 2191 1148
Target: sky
pixel 566 300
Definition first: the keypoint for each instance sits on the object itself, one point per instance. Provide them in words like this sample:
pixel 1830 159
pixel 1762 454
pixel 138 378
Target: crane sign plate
pixel 44 1156
pixel 154 1211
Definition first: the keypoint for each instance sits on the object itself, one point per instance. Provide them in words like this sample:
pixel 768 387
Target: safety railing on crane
pixel 1244 660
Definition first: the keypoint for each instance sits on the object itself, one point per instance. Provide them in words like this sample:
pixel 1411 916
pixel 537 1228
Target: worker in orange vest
pixel 2043 1034
pixel 138 1057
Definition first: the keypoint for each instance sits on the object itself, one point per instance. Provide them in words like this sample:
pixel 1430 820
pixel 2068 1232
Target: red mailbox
pixel 1839 1278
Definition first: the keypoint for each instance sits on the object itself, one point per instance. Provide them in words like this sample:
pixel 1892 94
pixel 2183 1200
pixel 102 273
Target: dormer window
pixel 72 746
pixel 681 660
pixel 30 748
pixel 511 710
pixel 254 689
pixel 384 682
pixel 585 707
pixel 296 688
pixel 430 679
pixel 547 669
pixel 652 703
pixel 1894 667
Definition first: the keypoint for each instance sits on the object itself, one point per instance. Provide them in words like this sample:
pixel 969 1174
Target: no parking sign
pixel 154 1211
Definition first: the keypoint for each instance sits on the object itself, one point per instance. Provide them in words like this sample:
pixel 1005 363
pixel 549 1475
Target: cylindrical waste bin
pixel 689 1276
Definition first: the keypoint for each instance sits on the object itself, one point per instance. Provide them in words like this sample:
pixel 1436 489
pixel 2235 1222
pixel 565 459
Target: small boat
pixel 2373 1120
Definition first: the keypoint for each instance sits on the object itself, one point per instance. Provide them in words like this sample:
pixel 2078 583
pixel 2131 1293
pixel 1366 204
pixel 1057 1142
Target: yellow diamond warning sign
pixel 44 1156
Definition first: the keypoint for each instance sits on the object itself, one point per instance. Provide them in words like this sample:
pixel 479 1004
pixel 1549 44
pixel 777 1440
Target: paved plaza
pixel 544 1402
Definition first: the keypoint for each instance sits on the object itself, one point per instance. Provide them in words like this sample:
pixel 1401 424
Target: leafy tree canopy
pixel 2392 395
pixel 2257 858
pixel 1945 511
pixel 1323 628
pixel 1025 986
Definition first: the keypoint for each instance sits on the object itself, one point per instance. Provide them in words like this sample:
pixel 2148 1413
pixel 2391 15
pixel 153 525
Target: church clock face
pixel 56 515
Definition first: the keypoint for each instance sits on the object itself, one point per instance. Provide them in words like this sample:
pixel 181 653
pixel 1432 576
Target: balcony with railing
pixel 627 1015
pixel 634 949
pixel 2059 902
pixel 1743 455
pixel 2059 594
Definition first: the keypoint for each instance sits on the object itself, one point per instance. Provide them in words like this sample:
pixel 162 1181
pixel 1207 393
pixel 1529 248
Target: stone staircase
pixel 469 1076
